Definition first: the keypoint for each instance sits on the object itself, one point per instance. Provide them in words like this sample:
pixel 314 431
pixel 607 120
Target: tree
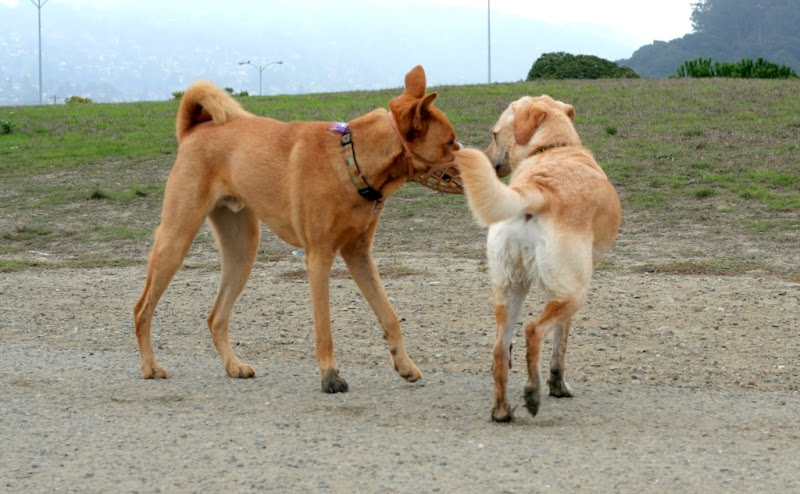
pixel 728 30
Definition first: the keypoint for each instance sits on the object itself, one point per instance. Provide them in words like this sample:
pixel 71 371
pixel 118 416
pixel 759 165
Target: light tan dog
pixel 317 185
pixel 551 227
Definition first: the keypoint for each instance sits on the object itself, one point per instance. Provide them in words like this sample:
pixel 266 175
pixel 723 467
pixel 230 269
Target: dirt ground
pixel 686 383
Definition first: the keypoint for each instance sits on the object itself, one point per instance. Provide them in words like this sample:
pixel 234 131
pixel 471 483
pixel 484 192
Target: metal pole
pixel 260 69
pixel 489 35
pixel 39 6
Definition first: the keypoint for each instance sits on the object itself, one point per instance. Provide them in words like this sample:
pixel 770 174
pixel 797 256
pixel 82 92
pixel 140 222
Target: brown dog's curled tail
pixel 490 200
pixel 204 102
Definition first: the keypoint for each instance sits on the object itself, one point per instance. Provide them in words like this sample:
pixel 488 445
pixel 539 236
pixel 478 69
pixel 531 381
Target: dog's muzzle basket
pixel 444 178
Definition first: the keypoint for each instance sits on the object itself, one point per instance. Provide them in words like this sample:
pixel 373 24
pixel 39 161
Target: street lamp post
pixel 260 69
pixel 489 36
pixel 39 4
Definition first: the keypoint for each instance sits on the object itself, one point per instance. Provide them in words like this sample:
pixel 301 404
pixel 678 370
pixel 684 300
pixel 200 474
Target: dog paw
pixel 502 414
pixel 153 371
pixel 559 388
pixel 332 383
pixel 242 371
pixel 532 399
pixel 410 372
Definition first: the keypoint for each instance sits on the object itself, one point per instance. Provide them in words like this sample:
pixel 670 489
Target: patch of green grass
pixel 26 234
pixel 714 267
pixel 704 192
pixel 88 261
pixel 693 133
pixel 98 194
pixel 13 265
pixel 758 227
pixel 647 199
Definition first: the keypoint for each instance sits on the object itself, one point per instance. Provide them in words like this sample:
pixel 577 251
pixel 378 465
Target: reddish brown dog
pixel 551 226
pixel 238 170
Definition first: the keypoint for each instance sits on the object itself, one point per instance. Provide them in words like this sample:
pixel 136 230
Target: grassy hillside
pixel 718 159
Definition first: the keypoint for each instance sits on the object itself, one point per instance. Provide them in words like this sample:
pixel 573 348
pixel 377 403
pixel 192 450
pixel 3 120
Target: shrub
pixel 560 65
pixel 177 94
pixel 77 99
pixel 6 126
pixel 743 69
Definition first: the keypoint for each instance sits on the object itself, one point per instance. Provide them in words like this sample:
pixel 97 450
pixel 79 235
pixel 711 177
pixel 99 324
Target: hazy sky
pixel 142 49
pixel 640 21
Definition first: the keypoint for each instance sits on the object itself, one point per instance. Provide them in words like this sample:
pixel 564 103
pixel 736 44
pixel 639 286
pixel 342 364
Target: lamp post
pixel 489 36
pixel 39 4
pixel 260 69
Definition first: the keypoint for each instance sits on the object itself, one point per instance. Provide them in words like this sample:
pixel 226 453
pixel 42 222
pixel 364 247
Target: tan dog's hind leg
pixel 558 386
pixel 237 236
pixel 172 242
pixel 555 313
pixel 365 273
pixel 319 262
pixel 507 303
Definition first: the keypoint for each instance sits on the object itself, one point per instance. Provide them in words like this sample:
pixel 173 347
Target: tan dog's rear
pixel 238 170
pixel 551 226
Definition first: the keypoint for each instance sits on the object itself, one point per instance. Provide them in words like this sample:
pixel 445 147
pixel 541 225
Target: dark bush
pixel 744 69
pixel 77 99
pixel 560 65
pixel 6 126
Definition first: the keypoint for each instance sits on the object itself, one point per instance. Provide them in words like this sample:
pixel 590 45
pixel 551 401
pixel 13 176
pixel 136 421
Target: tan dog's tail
pixel 490 200
pixel 204 102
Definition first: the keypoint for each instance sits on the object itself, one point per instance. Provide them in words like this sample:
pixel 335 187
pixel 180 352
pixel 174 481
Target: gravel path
pixel 684 383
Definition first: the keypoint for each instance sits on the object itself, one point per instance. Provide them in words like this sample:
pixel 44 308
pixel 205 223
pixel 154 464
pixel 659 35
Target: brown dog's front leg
pixel 365 273
pixel 319 271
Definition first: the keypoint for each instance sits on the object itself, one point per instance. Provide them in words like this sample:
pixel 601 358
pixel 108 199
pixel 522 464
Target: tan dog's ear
pixel 569 110
pixel 527 118
pixel 422 111
pixel 415 82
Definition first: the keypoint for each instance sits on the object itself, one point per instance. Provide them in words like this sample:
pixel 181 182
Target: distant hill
pixel 727 31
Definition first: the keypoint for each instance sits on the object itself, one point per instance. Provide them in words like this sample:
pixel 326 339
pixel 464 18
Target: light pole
pixel 260 69
pixel 39 4
pixel 489 35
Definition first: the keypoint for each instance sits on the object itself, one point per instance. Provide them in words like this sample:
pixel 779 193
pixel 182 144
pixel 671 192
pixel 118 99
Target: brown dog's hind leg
pixel 319 263
pixel 558 386
pixel 172 242
pixel 237 235
pixel 365 273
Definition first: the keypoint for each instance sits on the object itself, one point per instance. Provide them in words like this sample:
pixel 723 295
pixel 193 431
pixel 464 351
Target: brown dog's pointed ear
pixel 415 82
pixel 422 111
pixel 527 118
